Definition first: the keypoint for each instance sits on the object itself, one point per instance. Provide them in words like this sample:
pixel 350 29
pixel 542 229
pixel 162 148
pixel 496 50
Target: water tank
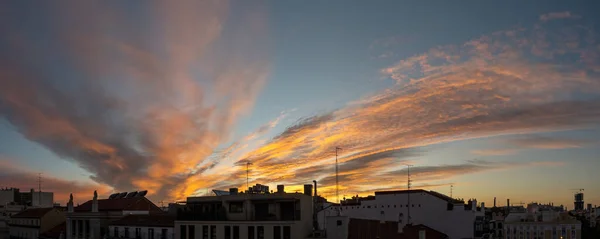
pixel 308 189
pixel 233 191
pixel 280 188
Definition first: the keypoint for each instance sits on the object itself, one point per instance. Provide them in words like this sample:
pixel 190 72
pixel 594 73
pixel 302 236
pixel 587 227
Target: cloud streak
pixel 137 107
pixel 508 82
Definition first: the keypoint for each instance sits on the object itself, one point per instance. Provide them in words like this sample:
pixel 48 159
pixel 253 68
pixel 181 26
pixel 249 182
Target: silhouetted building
pixel 91 219
pixel 258 215
pixel 152 226
pixel 30 223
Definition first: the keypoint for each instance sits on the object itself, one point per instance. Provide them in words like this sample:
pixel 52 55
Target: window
pixel 116 232
pixel 213 232
pixel 74 226
pixel 138 233
pixel 204 232
pixel 394 205
pixel 287 233
pixel 192 231
pixel 163 234
pixel 339 222
pixel 277 232
pixel 250 232
pixel 260 232
pixel 236 207
pixel 150 233
pixel 227 232
pixel 236 232
pixel 182 232
pixel 87 228
pixel 127 232
pixel 382 212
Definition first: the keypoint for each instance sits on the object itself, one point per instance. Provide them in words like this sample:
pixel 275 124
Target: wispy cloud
pixel 548 142
pixel 137 107
pixel 508 82
pixel 557 15
pixel 494 152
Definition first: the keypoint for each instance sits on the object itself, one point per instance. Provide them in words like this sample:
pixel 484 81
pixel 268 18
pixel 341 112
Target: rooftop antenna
pixel 337 187
pixel 408 194
pixel 247 177
pixel 39 189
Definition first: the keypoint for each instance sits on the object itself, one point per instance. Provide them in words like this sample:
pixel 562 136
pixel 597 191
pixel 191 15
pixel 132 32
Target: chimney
pixel 315 182
pixel 308 189
pixel 70 203
pixel 280 188
pixel 95 202
pixel 508 203
pixel 233 191
pixel 474 205
pixel 483 206
pixel 494 201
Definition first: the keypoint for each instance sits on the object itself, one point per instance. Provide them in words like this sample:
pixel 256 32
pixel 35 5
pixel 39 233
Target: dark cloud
pixel 128 103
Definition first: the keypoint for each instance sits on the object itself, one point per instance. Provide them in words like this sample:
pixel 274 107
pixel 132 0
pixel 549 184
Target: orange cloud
pixel 509 82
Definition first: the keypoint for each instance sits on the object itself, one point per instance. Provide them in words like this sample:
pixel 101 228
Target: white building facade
pixel 155 226
pixel 428 208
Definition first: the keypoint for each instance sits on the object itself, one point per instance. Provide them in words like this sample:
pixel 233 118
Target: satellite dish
pixel 121 195
pixel 131 194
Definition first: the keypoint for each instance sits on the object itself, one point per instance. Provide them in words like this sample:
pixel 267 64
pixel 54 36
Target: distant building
pixel 31 198
pixel 92 219
pixel 414 207
pixel 29 224
pixel 153 226
pixel 255 215
pixel 536 223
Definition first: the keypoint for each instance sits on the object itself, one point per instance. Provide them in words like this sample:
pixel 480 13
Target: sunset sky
pixel 500 99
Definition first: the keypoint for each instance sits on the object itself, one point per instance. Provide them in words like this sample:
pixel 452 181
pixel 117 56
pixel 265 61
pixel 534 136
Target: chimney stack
pixel 95 202
pixel 308 189
pixel 280 188
pixel 494 201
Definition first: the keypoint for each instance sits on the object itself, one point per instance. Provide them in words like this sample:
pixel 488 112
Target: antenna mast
pixel 451 186
pixel 408 184
pixel 337 187
pixel 247 177
pixel 39 189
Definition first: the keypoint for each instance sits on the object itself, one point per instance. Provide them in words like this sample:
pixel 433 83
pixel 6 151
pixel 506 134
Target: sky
pixel 493 99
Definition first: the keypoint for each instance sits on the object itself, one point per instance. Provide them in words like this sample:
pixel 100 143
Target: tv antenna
pixel 39 189
pixel 337 187
pixel 408 194
pixel 247 177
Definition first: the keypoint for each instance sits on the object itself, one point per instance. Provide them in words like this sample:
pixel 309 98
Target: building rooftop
pixel 432 193
pixel 33 213
pixel 55 232
pixel 120 204
pixel 152 220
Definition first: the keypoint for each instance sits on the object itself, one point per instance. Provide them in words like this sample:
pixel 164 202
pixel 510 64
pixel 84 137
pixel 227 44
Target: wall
pixel 144 231
pixel 52 219
pixel 297 228
pixel 47 199
pixel 24 232
pixel 6 196
pixel 428 210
